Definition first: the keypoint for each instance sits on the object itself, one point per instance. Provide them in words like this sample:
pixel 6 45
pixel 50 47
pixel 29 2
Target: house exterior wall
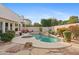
pixel 27 22
pixel 11 18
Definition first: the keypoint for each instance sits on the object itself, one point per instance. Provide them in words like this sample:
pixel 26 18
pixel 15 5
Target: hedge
pixel 67 36
pixel 8 36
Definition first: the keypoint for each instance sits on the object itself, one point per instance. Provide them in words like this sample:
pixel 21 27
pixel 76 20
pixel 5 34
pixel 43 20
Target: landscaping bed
pixel 7 36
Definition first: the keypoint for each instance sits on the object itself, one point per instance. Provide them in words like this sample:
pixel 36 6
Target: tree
pixel 37 24
pixel 54 22
pixel 60 22
pixel 44 22
pixel 49 22
pixel 73 19
pixel 65 22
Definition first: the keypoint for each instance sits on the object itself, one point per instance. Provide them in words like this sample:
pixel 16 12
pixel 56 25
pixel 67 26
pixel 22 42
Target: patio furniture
pixel 25 31
pixel 18 33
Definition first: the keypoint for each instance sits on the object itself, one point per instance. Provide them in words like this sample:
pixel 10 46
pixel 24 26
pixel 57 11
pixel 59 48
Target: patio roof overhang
pixel 8 14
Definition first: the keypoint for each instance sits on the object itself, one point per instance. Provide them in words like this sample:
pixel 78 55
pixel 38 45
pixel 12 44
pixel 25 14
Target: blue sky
pixel 36 11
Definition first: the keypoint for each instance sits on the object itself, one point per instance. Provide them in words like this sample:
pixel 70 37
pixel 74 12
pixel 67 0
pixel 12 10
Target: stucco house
pixel 28 21
pixel 9 20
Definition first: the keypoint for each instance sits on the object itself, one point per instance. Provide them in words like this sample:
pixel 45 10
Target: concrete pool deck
pixel 39 44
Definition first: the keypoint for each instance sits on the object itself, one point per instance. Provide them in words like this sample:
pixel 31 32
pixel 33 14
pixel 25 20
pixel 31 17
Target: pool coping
pixel 40 44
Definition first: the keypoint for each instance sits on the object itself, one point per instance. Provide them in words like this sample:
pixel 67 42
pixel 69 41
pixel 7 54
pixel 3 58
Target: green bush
pixel 12 33
pixel 0 35
pixel 51 32
pixel 0 31
pixel 40 29
pixel 8 36
pixel 67 36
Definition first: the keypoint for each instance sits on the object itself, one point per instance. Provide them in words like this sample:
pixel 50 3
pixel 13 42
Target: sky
pixel 37 11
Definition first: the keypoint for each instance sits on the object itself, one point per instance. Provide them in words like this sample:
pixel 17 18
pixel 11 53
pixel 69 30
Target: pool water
pixel 45 38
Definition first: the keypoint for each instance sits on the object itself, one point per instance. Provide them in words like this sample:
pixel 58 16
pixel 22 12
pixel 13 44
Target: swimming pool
pixel 45 38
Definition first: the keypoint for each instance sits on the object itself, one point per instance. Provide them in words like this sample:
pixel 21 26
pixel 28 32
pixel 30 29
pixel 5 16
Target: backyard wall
pixel 45 29
pixel 36 29
pixel 66 26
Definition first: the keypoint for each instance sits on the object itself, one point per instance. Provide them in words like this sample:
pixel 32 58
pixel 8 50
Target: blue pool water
pixel 45 38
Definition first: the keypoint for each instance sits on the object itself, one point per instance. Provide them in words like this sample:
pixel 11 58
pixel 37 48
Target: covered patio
pixel 9 20
pixel 9 25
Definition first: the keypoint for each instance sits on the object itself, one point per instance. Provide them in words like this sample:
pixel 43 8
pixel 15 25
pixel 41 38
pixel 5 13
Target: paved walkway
pixel 41 48
pixel 3 48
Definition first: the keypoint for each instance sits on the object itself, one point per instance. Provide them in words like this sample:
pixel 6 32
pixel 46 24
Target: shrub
pixel 8 36
pixel 40 29
pixel 61 30
pixel 67 36
pixel 0 31
pixel 0 35
pixel 51 32
pixel 12 33
pixel 75 30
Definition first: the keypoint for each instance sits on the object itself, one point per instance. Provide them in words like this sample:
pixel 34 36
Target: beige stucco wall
pixel 66 26
pixel 28 22
pixel 9 16
pixel 7 21
pixel 45 29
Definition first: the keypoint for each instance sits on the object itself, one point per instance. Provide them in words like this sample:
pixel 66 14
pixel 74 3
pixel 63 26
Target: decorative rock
pixel 28 45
